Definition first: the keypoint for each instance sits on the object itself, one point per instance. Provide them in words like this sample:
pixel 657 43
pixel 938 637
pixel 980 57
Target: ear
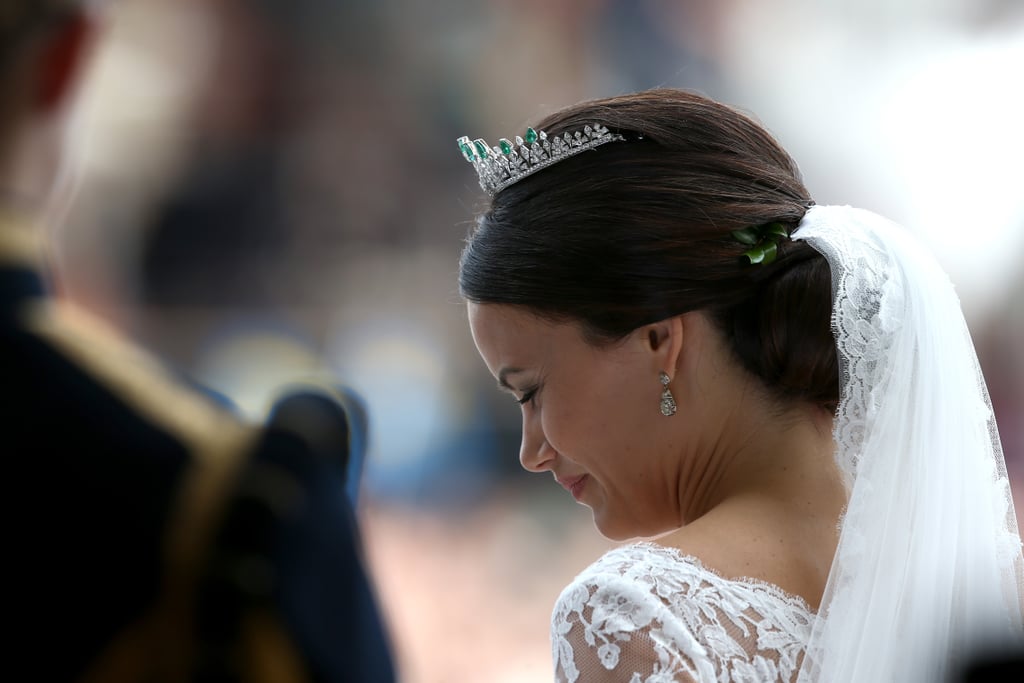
pixel 665 340
pixel 61 57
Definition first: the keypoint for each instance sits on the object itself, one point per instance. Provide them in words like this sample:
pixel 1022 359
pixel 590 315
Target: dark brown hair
pixel 635 232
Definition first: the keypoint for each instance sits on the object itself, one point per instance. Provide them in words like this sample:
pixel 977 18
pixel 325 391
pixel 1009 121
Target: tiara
pixel 508 163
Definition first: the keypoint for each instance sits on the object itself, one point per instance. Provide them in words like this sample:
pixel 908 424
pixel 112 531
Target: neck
pixel 753 479
pixel 780 454
pixel 759 452
pixel 772 501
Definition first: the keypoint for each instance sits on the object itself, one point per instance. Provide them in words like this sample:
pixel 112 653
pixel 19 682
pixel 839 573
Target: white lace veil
pixel 928 570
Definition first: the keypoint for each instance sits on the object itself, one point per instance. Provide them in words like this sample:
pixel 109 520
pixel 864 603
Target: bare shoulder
pixel 763 543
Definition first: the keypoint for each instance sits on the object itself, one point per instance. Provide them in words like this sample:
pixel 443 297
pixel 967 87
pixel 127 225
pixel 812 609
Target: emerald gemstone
pixel 467 150
pixel 531 136
pixel 481 148
pixel 506 145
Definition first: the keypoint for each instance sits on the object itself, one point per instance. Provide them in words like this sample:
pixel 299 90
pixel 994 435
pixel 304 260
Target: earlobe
pixel 61 59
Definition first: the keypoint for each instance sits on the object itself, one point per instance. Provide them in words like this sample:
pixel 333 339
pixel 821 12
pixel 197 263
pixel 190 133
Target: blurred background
pixel 271 190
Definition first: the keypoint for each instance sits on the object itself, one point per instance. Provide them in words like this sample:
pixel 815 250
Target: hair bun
pixel 783 333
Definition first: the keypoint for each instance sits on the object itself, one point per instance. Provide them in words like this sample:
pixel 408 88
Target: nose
pixel 535 454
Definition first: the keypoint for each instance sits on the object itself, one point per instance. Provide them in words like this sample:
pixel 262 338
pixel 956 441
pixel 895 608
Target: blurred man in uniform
pixel 157 537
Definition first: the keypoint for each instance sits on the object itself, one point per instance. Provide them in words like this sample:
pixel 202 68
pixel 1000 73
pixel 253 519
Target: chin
pixel 618 529
pixel 614 529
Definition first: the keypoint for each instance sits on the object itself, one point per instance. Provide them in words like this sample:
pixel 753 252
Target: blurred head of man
pixel 43 44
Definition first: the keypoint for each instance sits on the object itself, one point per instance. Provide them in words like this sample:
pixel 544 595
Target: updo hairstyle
pixel 634 232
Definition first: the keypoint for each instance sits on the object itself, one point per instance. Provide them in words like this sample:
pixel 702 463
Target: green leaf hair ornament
pixel 763 241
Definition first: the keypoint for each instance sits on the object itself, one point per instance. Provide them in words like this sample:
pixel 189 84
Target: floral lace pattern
pixel 646 613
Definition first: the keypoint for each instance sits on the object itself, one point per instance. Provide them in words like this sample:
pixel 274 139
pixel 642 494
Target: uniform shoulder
pixel 143 383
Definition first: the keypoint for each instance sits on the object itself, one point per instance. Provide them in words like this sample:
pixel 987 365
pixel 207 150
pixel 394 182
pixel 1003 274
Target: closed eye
pixel 527 397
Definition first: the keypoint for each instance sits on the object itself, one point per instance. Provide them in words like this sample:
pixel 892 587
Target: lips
pixel 573 485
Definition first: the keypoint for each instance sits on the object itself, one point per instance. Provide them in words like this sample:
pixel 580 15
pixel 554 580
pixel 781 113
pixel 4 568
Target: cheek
pixel 568 424
pixel 621 406
pixel 592 425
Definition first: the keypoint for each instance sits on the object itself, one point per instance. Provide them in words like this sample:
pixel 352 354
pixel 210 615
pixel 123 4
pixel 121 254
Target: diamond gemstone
pixel 504 164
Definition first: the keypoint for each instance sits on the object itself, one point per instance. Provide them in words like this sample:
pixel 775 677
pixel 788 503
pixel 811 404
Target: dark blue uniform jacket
pixel 155 535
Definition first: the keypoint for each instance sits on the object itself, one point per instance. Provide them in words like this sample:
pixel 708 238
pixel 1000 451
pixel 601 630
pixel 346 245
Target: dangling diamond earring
pixel 668 403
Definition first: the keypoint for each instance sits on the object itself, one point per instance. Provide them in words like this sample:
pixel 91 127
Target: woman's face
pixel 590 414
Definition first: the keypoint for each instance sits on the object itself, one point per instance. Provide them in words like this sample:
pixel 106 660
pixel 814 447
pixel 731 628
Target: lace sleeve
pixel 645 613
pixel 609 628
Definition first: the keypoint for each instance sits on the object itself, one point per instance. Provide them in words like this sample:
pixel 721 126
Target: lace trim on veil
pixel 928 564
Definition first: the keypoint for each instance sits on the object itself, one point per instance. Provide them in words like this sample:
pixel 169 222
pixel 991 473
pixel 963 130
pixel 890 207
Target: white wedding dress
pixel 646 613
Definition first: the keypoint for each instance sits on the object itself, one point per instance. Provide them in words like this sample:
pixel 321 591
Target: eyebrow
pixel 503 378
